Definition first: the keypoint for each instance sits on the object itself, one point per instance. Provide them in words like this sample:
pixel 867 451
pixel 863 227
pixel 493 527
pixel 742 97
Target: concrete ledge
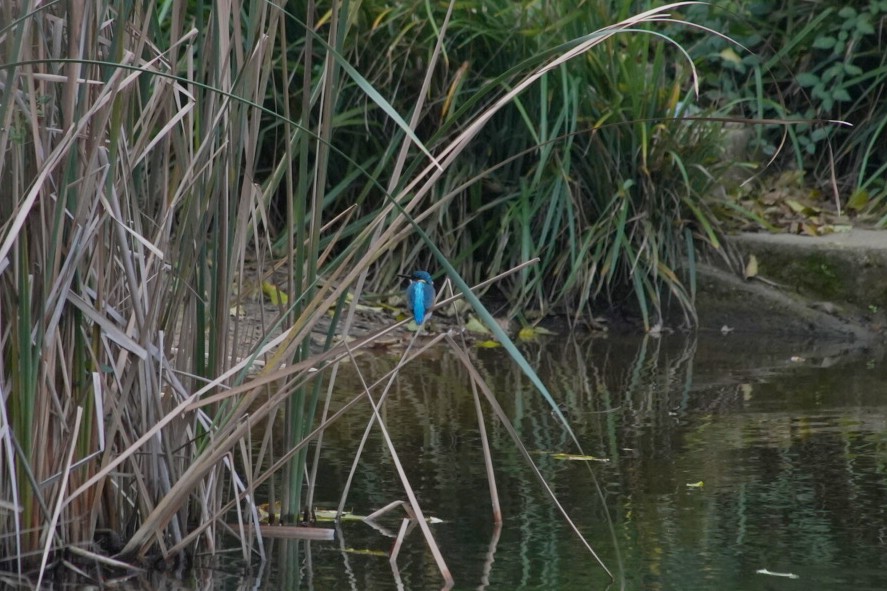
pixel 727 302
pixel 843 268
pixel 832 286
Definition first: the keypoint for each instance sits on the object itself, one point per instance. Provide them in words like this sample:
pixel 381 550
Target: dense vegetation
pixel 588 169
pixel 160 161
pixel 822 64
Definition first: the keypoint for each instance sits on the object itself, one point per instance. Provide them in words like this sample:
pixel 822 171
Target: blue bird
pixel 420 295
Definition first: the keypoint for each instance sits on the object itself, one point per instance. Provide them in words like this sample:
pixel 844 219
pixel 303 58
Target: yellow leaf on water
pixel 527 333
pixel 275 295
pixel 366 552
pixel 266 512
pixel 330 515
pixel 695 484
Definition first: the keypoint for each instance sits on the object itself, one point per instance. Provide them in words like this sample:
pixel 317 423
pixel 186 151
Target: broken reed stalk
pixel 509 428
pixel 269 406
pixel 408 489
pixel 393 375
pixel 398 541
pixel 488 458
pixel 485 443
pixel 366 433
pixel 66 474
pixel 98 271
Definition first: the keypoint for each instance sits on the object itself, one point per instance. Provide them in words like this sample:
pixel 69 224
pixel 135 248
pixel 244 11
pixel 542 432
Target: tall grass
pixel 133 222
pixel 160 163
pixel 591 168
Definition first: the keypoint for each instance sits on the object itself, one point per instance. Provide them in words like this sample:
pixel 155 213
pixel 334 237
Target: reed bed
pixel 160 164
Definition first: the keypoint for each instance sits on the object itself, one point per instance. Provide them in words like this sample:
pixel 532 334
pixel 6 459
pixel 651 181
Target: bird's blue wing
pixel 416 301
pixel 428 292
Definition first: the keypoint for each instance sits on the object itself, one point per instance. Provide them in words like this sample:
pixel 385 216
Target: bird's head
pixel 423 276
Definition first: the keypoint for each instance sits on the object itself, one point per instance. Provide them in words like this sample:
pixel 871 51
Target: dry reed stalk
pixel 135 219
pixel 103 174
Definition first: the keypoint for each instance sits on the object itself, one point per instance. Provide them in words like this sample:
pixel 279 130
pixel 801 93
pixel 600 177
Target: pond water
pixel 728 463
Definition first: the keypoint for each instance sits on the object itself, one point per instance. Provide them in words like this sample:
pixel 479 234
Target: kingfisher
pixel 420 295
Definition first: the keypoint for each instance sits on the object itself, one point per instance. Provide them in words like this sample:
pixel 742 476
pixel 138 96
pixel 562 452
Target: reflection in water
pixel 726 462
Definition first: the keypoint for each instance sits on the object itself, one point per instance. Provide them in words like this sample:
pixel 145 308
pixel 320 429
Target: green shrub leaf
pixel 826 42
pixel 806 79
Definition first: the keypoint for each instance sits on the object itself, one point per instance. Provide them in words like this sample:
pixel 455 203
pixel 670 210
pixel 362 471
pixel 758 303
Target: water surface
pixel 722 457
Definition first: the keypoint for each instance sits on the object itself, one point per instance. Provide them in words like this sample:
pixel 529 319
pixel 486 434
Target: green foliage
pixel 587 169
pixel 822 63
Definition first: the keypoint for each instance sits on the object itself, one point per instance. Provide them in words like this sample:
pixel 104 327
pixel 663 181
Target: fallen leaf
pixel 476 326
pixel 751 268
pixel 413 327
pixel 858 200
pixel 728 54
pixel 274 294
pixel 541 330
pixel 796 206
pixel 527 333
pixel 330 515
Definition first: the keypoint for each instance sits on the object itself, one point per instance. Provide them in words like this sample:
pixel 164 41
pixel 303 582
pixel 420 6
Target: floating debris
pixel 764 571
pixel 578 458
